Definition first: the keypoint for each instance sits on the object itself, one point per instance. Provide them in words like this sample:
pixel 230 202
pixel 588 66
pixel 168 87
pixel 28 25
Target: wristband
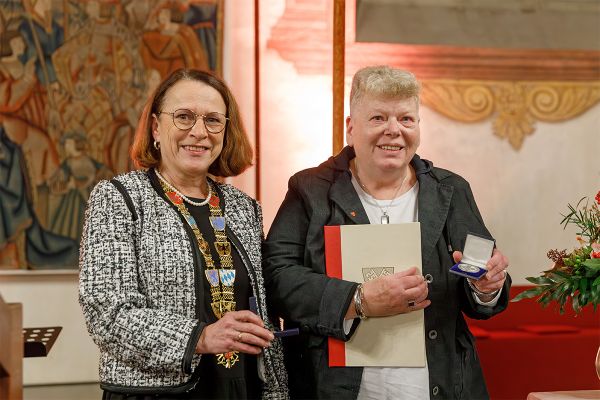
pixel 358 302
pixel 479 292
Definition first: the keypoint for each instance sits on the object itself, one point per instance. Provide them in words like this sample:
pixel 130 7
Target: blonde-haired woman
pixel 379 179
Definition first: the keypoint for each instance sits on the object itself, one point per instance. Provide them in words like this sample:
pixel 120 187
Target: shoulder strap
pixel 126 197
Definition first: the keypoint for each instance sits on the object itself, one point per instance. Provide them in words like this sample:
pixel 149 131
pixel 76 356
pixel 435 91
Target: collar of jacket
pixel 434 195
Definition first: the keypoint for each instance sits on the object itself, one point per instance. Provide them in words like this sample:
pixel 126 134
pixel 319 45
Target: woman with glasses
pixel 171 259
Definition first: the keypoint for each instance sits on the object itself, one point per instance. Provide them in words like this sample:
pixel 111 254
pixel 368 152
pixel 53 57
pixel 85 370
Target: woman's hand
pixel 241 331
pixel 494 278
pixel 402 292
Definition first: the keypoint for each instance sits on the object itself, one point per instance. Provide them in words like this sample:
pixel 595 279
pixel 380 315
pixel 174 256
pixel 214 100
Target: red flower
pixel 598 197
pixel 595 250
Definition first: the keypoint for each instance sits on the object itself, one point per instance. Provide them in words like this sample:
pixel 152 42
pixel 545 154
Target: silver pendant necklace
pixel 185 198
pixel 385 218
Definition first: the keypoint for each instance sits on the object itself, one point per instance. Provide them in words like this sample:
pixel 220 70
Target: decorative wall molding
pixel 515 105
pixel 468 84
pixel 303 35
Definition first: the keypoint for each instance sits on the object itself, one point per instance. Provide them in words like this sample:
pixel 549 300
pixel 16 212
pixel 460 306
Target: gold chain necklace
pixel 221 280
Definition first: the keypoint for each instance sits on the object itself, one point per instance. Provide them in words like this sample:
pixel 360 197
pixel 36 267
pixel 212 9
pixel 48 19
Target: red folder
pixel 333 266
pixel 363 252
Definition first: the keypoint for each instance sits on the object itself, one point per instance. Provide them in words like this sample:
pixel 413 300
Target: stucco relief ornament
pixel 515 105
pixel 514 121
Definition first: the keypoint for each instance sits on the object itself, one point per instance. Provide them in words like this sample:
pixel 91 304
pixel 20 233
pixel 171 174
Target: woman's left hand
pixel 495 276
pixel 241 331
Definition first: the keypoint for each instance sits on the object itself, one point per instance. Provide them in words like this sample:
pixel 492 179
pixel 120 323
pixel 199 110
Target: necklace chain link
pixel 385 219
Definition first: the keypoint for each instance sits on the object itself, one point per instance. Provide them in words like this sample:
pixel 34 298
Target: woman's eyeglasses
pixel 185 119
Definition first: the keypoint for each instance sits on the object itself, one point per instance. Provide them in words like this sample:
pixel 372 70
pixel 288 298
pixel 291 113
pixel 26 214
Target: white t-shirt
pixel 381 382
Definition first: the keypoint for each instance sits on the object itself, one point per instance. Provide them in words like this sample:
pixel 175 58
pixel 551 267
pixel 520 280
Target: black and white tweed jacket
pixel 139 286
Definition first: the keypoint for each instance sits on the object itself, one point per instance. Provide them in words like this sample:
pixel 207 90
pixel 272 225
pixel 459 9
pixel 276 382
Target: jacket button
pixel 428 278
pixel 432 334
pixel 435 390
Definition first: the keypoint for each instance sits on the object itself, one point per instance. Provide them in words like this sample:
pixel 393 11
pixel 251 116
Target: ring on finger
pixel 411 303
pixel 239 336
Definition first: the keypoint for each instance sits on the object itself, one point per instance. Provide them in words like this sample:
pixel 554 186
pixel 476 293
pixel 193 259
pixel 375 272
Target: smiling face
pixel 384 132
pixel 187 154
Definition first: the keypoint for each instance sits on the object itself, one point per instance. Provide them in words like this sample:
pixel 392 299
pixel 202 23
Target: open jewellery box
pixel 478 250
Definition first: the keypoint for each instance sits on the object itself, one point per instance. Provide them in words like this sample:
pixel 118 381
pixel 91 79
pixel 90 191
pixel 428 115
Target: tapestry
pixel 74 77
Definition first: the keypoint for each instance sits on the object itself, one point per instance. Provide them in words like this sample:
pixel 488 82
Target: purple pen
pixel 284 333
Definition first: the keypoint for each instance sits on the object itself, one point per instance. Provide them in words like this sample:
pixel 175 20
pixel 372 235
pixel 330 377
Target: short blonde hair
pixel 236 155
pixel 383 81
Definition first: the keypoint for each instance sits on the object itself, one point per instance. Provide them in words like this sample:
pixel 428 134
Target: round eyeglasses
pixel 185 119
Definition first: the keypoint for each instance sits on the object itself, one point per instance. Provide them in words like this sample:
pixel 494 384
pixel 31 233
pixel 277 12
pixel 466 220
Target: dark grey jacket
pixel 297 287
pixel 140 286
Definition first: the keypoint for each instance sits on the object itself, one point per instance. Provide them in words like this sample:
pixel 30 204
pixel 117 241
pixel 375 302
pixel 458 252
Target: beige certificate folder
pixel 360 253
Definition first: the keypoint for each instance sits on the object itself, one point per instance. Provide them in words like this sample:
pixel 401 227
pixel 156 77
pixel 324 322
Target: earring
pixel 157 145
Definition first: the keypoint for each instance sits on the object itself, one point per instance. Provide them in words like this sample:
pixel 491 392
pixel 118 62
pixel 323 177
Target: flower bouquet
pixel 575 276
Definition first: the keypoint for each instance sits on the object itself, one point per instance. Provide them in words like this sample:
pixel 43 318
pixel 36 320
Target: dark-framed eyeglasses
pixel 185 119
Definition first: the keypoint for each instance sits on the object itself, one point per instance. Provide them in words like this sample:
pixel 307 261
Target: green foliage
pixel 587 219
pixel 575 276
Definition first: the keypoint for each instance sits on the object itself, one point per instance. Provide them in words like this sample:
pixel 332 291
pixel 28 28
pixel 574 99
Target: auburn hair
pixel 236 155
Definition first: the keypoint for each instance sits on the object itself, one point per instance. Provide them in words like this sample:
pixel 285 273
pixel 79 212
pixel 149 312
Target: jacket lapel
pixel 434 200
pixel 342 193
pixel 434 203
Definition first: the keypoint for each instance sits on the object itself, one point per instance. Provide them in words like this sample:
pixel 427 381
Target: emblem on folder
pixel 373 273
